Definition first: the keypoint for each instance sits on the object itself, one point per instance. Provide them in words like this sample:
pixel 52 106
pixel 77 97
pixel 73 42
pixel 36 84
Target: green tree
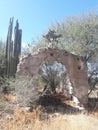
pixel 80 37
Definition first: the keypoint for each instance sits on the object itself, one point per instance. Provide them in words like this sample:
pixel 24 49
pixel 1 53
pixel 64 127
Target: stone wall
pixel 76 68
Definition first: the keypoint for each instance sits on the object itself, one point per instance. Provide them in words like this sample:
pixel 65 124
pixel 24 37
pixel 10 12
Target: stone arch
pixel 76 68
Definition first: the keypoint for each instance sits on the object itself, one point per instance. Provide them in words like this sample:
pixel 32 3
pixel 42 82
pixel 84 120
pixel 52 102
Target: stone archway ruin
pixel 76 68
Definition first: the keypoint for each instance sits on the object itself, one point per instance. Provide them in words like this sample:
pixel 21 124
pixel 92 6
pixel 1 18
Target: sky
pixel 35 16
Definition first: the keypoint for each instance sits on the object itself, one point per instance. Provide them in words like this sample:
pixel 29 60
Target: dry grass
pixel 30 121
pixel 23 120
pixel 10 97
pixel 74 122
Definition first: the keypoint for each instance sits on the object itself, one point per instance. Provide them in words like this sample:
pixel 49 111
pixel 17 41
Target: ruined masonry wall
pixel 76 68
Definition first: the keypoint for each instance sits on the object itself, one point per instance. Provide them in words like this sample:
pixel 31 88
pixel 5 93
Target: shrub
pixel 26 89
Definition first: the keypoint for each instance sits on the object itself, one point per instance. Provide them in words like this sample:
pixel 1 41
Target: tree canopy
pixel 79 35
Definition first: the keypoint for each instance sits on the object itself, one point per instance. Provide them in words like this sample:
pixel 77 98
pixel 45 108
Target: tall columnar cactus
pixel 9 48
pixel 17 45
pixel 13 49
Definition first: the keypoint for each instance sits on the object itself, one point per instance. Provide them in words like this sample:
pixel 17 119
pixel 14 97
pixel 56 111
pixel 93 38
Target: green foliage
pixel 80 37
pixel 2 58
pixel 79 34
pixel 4 82
pixel 51 74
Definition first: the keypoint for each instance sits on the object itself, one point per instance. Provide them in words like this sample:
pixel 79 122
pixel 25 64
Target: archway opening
pixel 54 78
